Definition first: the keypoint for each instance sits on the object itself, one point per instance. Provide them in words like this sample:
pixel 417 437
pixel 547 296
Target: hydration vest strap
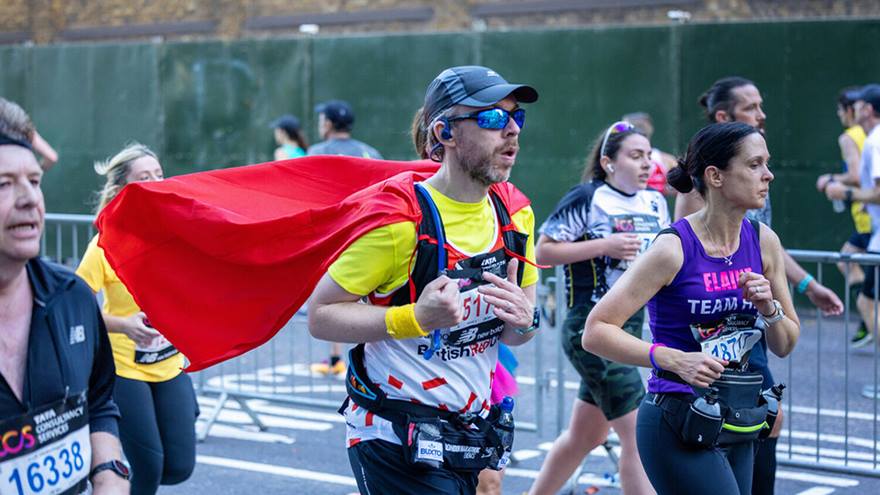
pixel 427 203
pixel 430 236
pixel 434 214
pixel 523 259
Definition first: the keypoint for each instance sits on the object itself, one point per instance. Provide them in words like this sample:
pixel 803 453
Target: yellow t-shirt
pixel 96 272
pixel 458 377
pixel 861 219
pixel 386 250
pixel 860 216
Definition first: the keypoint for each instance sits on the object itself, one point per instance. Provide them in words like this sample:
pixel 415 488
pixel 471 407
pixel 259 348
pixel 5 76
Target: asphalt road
pixel 302 449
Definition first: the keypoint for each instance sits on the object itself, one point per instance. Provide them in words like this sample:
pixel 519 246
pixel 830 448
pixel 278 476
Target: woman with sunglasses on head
pixel 596 231
pixel 155 397
pixel 714 284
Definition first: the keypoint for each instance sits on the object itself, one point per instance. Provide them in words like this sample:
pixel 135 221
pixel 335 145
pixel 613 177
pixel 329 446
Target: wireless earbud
pixel 446 133
pixel 610 169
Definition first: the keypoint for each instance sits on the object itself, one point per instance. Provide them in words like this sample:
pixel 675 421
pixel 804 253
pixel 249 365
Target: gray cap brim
pixel 494 94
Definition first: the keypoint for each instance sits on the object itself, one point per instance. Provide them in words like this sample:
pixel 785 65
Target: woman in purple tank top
pixel 714 284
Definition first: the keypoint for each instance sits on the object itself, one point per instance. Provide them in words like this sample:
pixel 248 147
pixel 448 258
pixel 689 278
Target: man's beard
pixel 481 170
pixel 478 166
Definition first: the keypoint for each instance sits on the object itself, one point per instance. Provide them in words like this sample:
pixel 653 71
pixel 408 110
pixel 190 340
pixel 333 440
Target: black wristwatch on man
pixel 121 469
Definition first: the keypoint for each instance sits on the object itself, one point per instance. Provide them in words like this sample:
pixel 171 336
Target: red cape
pixel 221 260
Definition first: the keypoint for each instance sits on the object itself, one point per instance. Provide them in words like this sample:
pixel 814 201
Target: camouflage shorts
pixel 614 388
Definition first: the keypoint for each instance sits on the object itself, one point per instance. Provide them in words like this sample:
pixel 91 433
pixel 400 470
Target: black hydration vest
pixel 464 430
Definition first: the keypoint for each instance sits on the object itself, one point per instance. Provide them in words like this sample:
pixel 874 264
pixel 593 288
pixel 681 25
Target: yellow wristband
pixel 401 323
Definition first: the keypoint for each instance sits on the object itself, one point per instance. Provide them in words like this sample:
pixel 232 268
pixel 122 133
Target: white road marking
pixel 289 472
pixel 598 451
pixel 585 479
pixel 817 490
pixel 832 462
pixel 832 413
pixel 525 454
pixel 817 479
pixel 226 431
pixel 240 417
pixel 261 406
pixel 829 437
pixel 265 407
pixel 810 450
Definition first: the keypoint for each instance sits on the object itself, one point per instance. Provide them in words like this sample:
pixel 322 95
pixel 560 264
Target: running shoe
pixel 324 368
pixel 862 337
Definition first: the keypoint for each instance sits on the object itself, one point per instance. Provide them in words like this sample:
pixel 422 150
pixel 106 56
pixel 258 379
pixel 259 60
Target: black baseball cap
pixel 337 111
pixel 474 86
pixel 288 123
pixel 869 93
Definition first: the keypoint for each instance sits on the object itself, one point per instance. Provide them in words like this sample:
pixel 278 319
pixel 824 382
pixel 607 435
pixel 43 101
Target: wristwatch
pixel 119 467
pixel 536 322
pixel 777 314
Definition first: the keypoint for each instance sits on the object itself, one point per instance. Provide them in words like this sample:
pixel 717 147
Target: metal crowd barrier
pixel 280 372
pixel 830 406
pixel 831 403
pixel 66 236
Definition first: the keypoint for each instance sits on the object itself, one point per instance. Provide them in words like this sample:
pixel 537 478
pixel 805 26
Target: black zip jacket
pixel 68 349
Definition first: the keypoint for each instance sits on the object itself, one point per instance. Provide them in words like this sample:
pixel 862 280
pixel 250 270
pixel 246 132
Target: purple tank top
pixel 705 290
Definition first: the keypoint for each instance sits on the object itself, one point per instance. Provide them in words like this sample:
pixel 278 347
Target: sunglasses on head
pixel 494 118
pixel 615 128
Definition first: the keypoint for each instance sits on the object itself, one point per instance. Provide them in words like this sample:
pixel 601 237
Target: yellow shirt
pixel 96 272
pixel 860 216
pixel 387 249
pixel 458 378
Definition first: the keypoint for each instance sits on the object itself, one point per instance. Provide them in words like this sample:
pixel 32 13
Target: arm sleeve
pixel 103 412
pixel 569 221
pixel 524 220
pixel 91 268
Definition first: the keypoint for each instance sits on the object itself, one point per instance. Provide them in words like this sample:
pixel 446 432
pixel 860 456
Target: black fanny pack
pixel 740 416
pixel 432 436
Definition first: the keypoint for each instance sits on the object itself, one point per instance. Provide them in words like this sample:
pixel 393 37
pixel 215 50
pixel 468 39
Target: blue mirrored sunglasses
pixel 494 118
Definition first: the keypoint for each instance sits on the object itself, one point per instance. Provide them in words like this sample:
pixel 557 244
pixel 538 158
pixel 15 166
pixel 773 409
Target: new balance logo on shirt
pixel 77 334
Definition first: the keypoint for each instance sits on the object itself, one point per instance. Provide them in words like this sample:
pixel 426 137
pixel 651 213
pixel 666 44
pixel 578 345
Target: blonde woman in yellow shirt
pixel 155 397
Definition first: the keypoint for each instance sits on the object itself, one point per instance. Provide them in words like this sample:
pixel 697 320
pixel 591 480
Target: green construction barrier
pixel 204 105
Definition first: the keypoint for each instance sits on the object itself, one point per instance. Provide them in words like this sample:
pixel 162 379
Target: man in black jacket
pixel 58 422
